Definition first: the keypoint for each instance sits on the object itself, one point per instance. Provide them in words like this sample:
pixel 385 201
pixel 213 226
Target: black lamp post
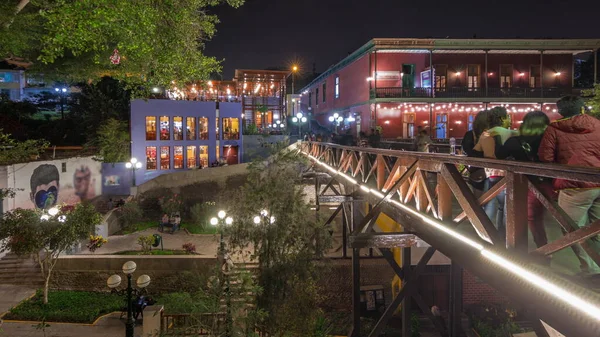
pixel 62 93
pixel 221 220
pixel 142 282
pixel 299 118
pixel 133 164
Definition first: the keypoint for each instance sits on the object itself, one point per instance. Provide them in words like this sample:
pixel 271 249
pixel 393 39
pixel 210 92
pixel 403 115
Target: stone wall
pixel 175 181
pixel 168 273
pixel 258 146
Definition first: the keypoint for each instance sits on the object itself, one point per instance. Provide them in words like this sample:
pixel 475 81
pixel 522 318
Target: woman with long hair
pixel 524 147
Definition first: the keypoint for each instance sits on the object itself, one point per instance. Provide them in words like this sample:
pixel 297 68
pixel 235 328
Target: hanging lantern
pixel 115 58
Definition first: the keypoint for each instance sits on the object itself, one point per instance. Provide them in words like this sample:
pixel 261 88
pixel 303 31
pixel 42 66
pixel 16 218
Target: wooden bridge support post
pixel 406 312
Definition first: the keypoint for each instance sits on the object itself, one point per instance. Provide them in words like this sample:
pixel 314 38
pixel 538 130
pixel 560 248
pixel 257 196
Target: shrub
pixel 189 248
pixel 66 306
pixel 129 214
pixel 199 214
pixel 171 204
pixel 146 243
pixel 96 241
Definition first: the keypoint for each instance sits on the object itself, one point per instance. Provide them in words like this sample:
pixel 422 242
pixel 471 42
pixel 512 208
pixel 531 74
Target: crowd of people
pixel 572 140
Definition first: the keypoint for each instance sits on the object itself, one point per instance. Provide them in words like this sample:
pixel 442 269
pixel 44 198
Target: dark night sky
pixel 270 33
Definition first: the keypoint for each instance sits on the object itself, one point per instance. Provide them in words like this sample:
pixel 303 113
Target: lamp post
pixel 336 119
pixel 266 220
pixel 142 282
pixel 299 119
pixel 61 93
pixel 221 220
pixel 133 164
pixel 294 70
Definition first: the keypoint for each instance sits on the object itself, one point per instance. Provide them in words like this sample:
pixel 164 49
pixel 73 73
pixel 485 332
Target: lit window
pixel 409 125
pixel 231 128
pixel 177 128
pixel 190 132
pixel 177 157
pixel 217 128
pixel 165 160
pixel 165 132
pixel 203 128
pixel 203 156
pixel 441 126
pixel 506 75
pixel 337 86
pixel 470 122
pixel 151 158
pixel 151 128
pixel 191 157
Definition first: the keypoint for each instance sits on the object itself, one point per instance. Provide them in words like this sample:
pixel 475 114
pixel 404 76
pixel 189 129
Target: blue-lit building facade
pixel 173 135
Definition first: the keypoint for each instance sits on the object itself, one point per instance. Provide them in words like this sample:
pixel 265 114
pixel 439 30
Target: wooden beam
pixel 485 198
pixel 482 224
pixel 516 219
pixel 382 240
pixel 570 239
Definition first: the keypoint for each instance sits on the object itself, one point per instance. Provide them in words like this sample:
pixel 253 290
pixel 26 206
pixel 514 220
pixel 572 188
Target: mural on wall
pixel 116 179
pixel 44 184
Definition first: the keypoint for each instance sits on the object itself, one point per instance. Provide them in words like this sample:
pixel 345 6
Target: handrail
pixel 577 173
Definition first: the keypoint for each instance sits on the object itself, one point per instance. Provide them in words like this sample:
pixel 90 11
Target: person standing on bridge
pixel 575 140
pixel 524 147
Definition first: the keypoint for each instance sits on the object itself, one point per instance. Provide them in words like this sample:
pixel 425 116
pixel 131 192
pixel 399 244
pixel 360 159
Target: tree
pixel 12 151
pixel 593 100
pixel 112 142
pixel 286 242
pixel 156 41
pixel 29 232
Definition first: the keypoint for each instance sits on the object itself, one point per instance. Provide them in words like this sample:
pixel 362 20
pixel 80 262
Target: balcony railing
pixel 464 92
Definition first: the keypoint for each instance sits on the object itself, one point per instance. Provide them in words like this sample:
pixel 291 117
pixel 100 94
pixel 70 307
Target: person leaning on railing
pixel 524 147
pixel 575 140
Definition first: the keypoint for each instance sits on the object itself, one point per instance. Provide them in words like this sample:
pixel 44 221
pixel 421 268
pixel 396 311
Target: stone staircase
pixel 20 271
pixel 241 298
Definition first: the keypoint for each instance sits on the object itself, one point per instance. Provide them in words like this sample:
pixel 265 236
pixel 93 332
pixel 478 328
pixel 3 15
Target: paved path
pixel 11 295
pixel 206 244
pixel 108 326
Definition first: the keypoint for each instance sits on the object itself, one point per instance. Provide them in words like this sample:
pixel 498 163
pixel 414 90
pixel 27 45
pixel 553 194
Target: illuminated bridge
pixel 365 183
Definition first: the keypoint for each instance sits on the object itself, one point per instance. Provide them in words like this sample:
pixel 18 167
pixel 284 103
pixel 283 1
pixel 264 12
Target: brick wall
pixel 476 291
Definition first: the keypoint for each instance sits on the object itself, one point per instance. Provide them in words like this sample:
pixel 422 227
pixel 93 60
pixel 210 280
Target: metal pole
pixel 595 66
pixel 133 172
pixel 542 73
pixel 129 325
pixel 62 106
pixel 293 80
pixel 487 74
pixel 406 314
pixel 355 292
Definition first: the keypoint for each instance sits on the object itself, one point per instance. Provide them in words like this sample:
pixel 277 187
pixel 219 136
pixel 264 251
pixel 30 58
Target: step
pixel 20 275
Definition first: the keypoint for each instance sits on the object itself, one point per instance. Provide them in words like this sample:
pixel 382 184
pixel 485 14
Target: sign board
pixel 388 75
pixel 426 79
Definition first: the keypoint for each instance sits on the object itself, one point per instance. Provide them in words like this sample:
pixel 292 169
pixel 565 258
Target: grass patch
pixel 193 229
pixel 67 306
pixel 153 252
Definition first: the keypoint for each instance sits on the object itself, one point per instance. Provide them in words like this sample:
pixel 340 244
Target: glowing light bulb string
pixel 565 296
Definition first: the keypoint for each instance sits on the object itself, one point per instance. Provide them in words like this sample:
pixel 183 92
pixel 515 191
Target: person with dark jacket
pixel 524 147
pixel 575 140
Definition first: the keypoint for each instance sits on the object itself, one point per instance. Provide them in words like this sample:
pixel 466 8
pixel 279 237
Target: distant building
pixel 173 135
pixel 441 84
pixel 18 85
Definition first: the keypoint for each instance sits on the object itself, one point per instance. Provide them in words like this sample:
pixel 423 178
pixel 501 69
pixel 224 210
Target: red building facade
pixel 440 84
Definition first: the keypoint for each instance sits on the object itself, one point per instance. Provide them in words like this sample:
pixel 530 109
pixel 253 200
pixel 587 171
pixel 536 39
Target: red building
pixel 400 84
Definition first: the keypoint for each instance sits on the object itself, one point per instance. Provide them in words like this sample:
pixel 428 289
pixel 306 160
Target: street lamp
pixel 61 93
pixel 133 164
pixel 299 119
pixel 294 70
pixel 221 220
pixel 336 119
pixel 142 282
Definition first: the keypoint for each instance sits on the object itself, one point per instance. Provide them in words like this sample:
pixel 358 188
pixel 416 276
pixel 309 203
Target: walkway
pixel 206 244
pixel 109 325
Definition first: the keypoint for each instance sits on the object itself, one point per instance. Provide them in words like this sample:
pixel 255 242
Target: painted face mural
pixel 44 186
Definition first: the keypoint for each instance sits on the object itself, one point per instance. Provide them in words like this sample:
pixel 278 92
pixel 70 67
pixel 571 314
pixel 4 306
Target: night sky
pixel 271 33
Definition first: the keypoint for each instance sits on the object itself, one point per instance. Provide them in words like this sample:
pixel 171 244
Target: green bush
pixel 198 216
pixel 67 306
pixel 146 243
pixel 129 214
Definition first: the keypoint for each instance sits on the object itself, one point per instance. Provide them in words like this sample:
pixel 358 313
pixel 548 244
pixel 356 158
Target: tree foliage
pixel 286 242
pixel 12 151
pixel 593 100
pixel 112 142
pixel 24 232
pixel 158 41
